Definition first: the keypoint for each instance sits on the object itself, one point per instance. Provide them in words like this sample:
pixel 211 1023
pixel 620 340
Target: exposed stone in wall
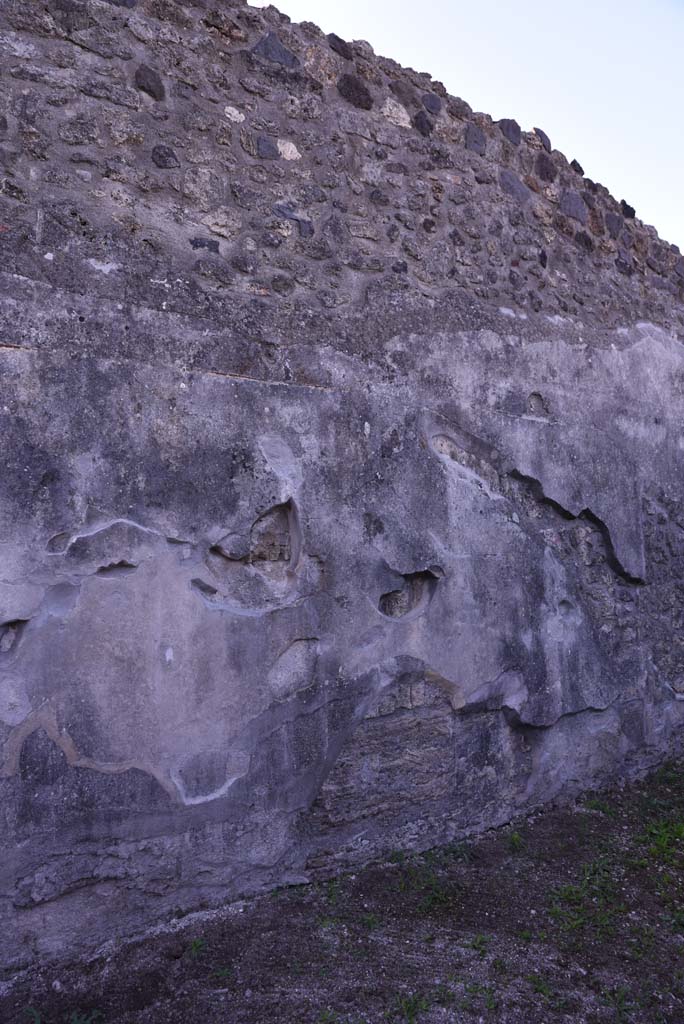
pixel 312 169
pixel 341 502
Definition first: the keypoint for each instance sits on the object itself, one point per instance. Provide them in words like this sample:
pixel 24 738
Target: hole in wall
pixel 58 543
pixel 537 405
pixel 413 596
pixel 122 568
pixel 10 634
pixel 204 587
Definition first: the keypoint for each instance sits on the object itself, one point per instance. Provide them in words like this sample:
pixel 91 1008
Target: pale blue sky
pixel 604 79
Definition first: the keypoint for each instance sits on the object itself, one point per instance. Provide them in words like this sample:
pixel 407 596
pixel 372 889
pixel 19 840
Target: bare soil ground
pixel 575 915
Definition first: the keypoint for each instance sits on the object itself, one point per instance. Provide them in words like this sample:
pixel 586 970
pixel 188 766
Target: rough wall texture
pixel 341 504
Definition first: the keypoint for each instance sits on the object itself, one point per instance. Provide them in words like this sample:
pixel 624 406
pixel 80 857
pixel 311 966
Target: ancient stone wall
pixel 341 506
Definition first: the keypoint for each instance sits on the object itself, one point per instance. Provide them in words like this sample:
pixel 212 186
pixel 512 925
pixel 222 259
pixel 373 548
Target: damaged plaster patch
pixel 45 718
pixel 15 705
pixel 294 669
pixel 282 462
pixel 103 268
pixel 413 596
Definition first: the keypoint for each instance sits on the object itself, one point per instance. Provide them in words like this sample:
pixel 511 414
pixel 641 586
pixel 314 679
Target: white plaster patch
pixel 104 268
pixel 49 256
pixel 234 115
pixel 168 655
pixel 556 318
pixel 288 150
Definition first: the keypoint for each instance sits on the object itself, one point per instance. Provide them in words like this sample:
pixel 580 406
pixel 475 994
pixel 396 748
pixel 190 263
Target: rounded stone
pixel 432 103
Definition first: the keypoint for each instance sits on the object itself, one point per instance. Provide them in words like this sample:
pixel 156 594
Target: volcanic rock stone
pixel 545 168
pixel 573 205
pixel 475 139
pixel 340 47
pixel 423 123
pixel 355 92
pixel 510 130
pixel 271 49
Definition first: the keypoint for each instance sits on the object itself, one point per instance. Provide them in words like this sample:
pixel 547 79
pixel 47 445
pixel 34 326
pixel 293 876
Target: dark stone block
pixel 577 167
pixel 584 241
pixel 432 103
pixel 353 90
pixel 340 47
pixel 627 211
pixel 510 130
pixel 545 168
pixel 404 92
pixel 267 148
pixel 270 48
pixel 149 81
pixel 572 205
pixel 205 243
pixel 513 186
pixel 475 139
pixel 164 157
pixel 423 124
